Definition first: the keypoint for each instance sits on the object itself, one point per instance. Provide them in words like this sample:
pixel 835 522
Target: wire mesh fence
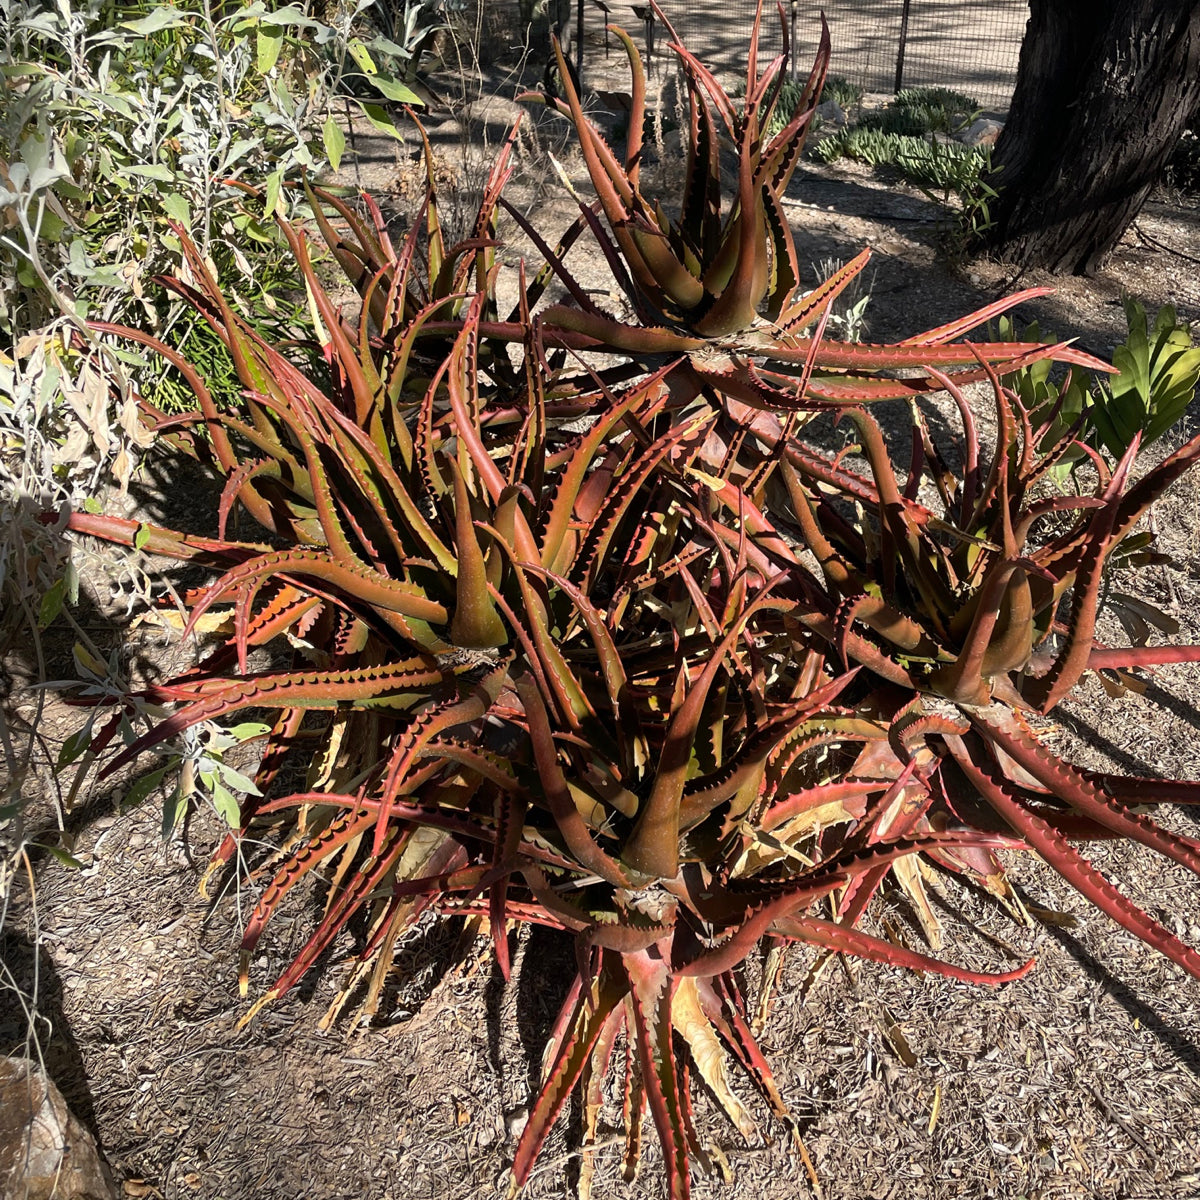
pixel 880 45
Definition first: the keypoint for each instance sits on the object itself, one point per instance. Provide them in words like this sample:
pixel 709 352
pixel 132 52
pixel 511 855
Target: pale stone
pixel 45 1151
pixel 831 113
pixel 983 132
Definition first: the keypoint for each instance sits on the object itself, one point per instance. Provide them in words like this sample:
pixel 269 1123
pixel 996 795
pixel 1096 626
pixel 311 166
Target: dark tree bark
pixel 1104 90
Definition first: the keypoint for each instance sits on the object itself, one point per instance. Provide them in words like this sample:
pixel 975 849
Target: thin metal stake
pixel 579 46
pixel 792 40
pixel 900 49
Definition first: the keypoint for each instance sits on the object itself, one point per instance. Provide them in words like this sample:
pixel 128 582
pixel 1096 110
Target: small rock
pixel 515 1122
pixel 45 1151
pixel 830 112
pixel 983 132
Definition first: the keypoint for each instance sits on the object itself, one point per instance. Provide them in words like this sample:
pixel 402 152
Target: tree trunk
pixel 1104 90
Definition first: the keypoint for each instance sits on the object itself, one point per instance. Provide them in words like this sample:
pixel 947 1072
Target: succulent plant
pixel 604 645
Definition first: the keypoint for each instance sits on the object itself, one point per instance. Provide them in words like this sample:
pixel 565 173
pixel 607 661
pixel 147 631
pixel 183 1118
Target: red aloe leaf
pixel 610 334
pixel 637 108
pixel 1098 542
pixel 475 623
pixel 343 830
pixel 357 452
pixel 554 265
pixel 445 817
pixel 783 152
pixel 656 270
pixel 1140 656
pixel 633 1107
pixel 154 539
pixel 557 796
pixel 700 208
pixel 960 325
pixel 463 388
pixel 843 793
pixel 719 999
pixel 1072 866
pixel 607 651
pixel 593 1096
pixel 653 846
pixel 1000 727
pixel 423 728
pixel 845 940
pixel 1127 790
pixel 496 768
pixel 399 687
pixel 557 549
pixel 554 674
pixel 510 818
pixel 739 774
pixel 581 1022
pixel 652 985
pixel 370 875
pixel 598 539
pixel 1152 485
pixel 362 583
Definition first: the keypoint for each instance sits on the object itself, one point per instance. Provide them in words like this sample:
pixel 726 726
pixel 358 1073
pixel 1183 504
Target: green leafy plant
pixel 1157 373
pixel 93 158
pixel 943 166
pixel 583 633
pixel 839 88
pixel 911 134
pixel 937 108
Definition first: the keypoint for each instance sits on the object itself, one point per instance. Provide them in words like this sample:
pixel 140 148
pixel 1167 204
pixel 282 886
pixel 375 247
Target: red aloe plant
pixel 612 649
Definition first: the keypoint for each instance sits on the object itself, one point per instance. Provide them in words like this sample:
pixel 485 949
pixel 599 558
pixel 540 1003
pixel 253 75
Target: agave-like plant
pixel 610 648
pixel 718 284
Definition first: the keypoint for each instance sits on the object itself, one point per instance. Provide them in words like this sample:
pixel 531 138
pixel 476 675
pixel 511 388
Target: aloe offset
pixel 670 679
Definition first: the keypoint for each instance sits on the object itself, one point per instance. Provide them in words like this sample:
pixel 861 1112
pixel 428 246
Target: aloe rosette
pixel 605 645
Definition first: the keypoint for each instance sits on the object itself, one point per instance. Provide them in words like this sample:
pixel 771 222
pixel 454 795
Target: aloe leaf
pixel 833 936
pixel 1075 869
pixel 343 830
pixel 637 108
pixel 1097 544
pixel 475 623
pixel 586 1016
pixel 400 688
pixel 154 539
pixel 352 897
pixel 557 795
pixel 1070 785
pixel 804 311
pixel 653 846
pixel 652 986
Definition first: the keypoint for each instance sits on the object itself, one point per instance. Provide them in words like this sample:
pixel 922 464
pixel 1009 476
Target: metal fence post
pixel 579 45
pixel 900 48
pixel 795 6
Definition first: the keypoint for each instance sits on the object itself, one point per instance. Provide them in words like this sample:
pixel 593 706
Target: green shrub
pixel 1157 371
pixel 839 88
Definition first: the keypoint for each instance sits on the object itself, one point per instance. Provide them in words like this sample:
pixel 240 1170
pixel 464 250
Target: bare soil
pixel 1081 1080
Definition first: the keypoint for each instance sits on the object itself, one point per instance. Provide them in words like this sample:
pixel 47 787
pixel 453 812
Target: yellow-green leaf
pixel 269 41
pixel 335 142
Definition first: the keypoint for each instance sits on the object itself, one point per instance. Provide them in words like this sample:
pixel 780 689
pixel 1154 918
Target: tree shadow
pixel 1184 1049
pixel 33 1024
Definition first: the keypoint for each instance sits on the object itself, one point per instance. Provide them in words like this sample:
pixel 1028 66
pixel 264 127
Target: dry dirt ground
pixel 1081 1080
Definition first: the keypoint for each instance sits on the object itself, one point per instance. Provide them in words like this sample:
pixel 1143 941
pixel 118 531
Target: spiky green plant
pixel 558 636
